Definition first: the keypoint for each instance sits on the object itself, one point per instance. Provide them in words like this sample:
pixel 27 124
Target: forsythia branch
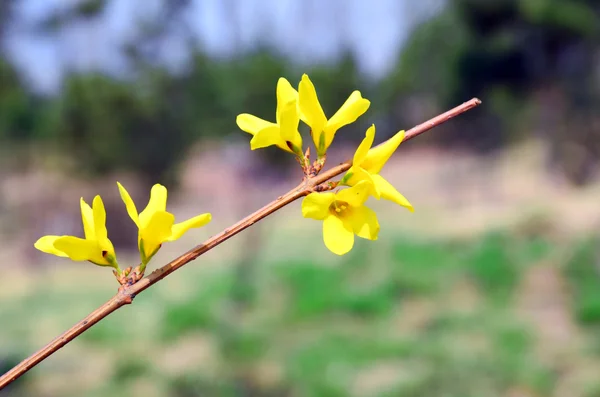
pixel 128 292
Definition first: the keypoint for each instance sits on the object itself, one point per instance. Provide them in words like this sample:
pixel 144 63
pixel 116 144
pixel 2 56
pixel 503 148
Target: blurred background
pixel 491 288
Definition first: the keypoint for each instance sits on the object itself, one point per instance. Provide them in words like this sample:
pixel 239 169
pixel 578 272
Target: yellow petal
pixel 316 205
pixel 380 154
pixel 251 124
pixel 338 237
pixel 157 202
pixel 363 221
pixel 46 244
pixel 107 246
pixel 180 228
pixel 99 219
pixel 289 124
pixel 156 231
pixel 365 145
pixel 355 195
pixel 79 249
pixel 389 192
pixel 159 228
pixel 354 107
pixel 357 174
pixel 268 137
pixel 87 216
pixel 311 109
pixel 129 204
pixel 285 93
pixel 101 234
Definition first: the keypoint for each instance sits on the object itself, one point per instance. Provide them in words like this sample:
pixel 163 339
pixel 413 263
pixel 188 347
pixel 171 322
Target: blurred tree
pixel 512 53
pixel 18 119
pixel 508 52
pixel 145 123
pixel 108 124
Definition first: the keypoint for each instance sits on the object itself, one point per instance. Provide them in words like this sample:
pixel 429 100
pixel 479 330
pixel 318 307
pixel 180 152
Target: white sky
pixel 308 31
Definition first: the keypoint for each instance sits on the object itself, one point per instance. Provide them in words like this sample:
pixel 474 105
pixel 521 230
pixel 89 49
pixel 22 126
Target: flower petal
pixel 289 124
pixel 268 137
pixel 389 192
pixel 311 109
pixel 101 234
pixel 285 93
pixel 316 205
pixel 365 145
pixel 355 195
pixel 99 219
pixel 129 204
pixel 338 238
pixel 251 124
pixel 157 202
pixel 156 231
pixel 46 244
pixel 354 107
pixel 380 154
pixel 363 221
pixel 357 174
pixel 87 216
pixel 78 249
pixel 180 228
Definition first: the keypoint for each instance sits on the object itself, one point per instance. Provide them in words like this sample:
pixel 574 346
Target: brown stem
pixel 127 293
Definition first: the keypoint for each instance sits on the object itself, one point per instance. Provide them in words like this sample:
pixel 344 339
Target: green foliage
pixel 573 17
pixel 147 124
pixel 18 113
pixel 197 312
pixel 382 323
pixel 479 44
pixel 326 367
pixel 314 290
pixel 317 290
pixel 421 268
pixel 130 369
pixel 492 267
pixel 582 272
pixel 509 53
pixel 108 125
pixel 192 385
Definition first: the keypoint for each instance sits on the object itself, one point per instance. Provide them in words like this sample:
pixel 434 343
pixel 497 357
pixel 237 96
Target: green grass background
pixel 500 314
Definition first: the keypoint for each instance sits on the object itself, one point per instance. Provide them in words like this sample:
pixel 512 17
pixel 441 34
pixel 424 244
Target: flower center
pixel 339 208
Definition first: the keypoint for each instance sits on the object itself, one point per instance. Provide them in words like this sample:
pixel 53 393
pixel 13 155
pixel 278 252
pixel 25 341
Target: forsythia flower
pixel 284 133
pixel 343 215
pixel 367 164
pixel 311 112
pixel 96 247
pixel 155 224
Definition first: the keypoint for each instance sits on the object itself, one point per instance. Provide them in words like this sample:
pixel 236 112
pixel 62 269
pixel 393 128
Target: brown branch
pixel 127 293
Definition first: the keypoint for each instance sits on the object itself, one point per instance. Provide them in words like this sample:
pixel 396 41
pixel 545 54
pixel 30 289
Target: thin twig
pixel 127 293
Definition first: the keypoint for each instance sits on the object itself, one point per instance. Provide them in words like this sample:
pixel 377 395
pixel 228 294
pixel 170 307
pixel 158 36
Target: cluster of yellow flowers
pixel 343 213
pixel 155 226
pixel 293 106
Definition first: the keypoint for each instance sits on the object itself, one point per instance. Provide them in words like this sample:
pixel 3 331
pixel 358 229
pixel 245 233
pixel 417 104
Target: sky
pixel 308 31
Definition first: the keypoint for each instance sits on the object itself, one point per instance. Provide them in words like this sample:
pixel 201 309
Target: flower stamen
pixel 338 207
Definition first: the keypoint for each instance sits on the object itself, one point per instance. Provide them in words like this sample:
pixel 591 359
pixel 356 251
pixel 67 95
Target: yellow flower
pixel 155 224
pixel 311 112
pixel 284 133
pixel 96 247
pixel 367 164
pixel 343 215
